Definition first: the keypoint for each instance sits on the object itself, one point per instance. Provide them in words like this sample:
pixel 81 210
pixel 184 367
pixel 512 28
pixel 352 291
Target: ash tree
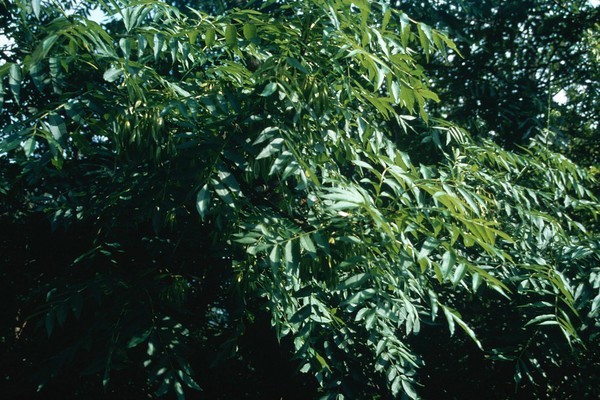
pixel 528 64
pixel 261 197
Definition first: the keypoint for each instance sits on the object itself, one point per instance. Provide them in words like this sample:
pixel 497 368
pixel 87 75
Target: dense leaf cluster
pixel 209 180
pixel 528 64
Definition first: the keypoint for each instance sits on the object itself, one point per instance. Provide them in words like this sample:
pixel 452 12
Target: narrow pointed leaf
pixel 1 93
pixel 308 245
pixel 159 41
pixel 14 81
pixel 35 5
pixel 203 201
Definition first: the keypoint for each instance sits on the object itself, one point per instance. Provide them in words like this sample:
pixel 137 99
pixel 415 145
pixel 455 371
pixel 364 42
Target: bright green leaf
pixel 269 89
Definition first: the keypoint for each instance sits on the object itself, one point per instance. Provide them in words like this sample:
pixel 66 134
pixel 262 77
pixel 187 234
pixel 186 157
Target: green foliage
pixel 518 56
pixel 209 169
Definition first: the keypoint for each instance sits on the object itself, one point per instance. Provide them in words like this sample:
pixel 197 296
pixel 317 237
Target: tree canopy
pixel 271 197
pixel 528 65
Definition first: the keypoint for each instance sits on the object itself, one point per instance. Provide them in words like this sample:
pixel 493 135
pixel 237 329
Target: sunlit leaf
pixel 269 89
pixel 35 5
pixel 308 245
pixel 57 125
pixel 14 81
pixel 203 201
